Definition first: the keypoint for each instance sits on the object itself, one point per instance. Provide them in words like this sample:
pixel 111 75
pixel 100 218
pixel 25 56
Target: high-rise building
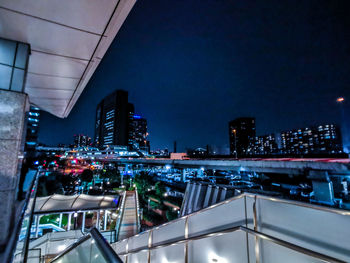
pixel 322 139
pixel 32 129
pixel 139 133
pixel 113 120
pixel 81 140
pixel 241 134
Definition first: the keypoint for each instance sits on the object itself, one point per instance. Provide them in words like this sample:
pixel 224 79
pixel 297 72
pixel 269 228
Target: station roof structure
pixel 70 203
pixel 67 39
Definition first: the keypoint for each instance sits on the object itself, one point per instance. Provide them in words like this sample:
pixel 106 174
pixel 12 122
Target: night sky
pixel 191 66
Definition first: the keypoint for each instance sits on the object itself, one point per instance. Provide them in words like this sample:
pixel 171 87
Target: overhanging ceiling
pixel 68 40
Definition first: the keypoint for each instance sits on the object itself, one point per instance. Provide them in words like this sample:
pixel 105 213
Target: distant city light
pixel 340 99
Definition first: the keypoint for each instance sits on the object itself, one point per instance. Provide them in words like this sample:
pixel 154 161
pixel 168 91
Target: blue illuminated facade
pixel 33 120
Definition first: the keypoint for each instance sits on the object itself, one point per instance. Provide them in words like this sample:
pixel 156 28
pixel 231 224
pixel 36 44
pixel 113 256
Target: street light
pixel 340 99
pixel 234 132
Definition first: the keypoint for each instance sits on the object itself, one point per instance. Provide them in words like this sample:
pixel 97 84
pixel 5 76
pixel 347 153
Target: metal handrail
pixel 106 250
pixel 13 240
pixel 275 240
pixel 121 213
pixel 137 211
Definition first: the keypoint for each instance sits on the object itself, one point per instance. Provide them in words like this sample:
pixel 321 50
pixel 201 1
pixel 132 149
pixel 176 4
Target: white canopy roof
pixel 64 203
pixel 68 40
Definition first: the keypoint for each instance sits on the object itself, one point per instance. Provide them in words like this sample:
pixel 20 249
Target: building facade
pixel 264 145
pixel 113 116
pixel 117 125
pixel 241 134
pixel 322 139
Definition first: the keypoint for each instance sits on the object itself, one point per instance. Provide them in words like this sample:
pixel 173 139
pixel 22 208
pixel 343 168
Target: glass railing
pixel 246 228
pixel 90 248
pixel 17 248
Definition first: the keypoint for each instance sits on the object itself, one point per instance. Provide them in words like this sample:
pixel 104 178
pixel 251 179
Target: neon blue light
pixel 137 117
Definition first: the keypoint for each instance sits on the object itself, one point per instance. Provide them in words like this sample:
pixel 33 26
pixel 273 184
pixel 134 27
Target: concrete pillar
pixel 69 221
pixel 60 220
pixel 37 218
pixel 13 107
pixel 183 175
pixel 185 199
pixel 191 198
pixel 98 220
pixel 322 187
pixel 216 195
pixel 223 194
pixel 199 197
pixel 83 223
pixel 105 220
pixel 209 196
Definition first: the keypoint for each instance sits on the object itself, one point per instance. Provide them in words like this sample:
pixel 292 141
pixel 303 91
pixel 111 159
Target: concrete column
pixel 69 221
pixel 184 175
pixel 13 107
pixel 98 220
pixel 83 223
pixel 60 220
pixel 199 197
pixel 216 195
pixel 208 196
pixel 37 218
pixel 190 204
pixel 185 201
pixel 105 221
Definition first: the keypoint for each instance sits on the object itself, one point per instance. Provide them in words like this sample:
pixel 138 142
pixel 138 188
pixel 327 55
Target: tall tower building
pixel 139 136
pixel 33 117
pixel 113 117
pixel 241 134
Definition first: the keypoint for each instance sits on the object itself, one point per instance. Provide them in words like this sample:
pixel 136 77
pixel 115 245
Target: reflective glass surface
pixel 5 76
pixel 13 64
pixel 7 51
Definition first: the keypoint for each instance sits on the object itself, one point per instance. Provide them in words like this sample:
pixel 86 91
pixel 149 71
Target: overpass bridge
pixel 291 166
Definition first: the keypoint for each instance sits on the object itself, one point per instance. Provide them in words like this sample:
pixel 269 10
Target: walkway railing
pixel 138 214
pixel 120 215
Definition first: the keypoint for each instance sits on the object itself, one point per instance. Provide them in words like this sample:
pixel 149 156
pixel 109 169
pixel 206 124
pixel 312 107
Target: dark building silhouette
pixel 139 133
pixel 241 134
pixel 114 115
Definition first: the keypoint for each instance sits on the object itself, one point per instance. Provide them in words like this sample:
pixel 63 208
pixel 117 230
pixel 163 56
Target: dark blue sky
pixel 190 66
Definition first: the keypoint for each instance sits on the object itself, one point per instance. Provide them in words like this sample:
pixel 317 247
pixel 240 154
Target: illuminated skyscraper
pixel 113 120
pixel 32 129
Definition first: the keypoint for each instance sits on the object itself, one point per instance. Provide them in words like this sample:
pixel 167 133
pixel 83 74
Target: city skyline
pixel 216 72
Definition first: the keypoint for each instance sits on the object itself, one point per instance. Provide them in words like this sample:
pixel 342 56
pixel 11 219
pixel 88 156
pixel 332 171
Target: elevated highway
pixel 291 166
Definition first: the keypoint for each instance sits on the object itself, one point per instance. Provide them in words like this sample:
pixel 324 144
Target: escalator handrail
pixel 107 251
pixel 13 240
